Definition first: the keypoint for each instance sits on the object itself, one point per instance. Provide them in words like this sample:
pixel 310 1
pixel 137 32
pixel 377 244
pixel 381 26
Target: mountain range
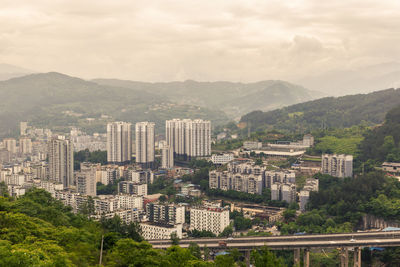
pixel 59 101
pixel 235 99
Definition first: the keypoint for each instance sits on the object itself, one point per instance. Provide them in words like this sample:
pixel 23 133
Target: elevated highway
pixel 297 243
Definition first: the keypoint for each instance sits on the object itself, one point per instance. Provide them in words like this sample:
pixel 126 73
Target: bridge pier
pixel 306 259
pixel 357 257
pixel 344 257
pixel 296 257
pixel 247 257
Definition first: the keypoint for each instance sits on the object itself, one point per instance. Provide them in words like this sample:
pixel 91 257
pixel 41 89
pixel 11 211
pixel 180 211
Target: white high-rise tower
pixel 119 142
pixel 191 138
pixel 144 132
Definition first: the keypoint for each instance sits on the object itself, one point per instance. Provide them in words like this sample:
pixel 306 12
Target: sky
pixel 205 40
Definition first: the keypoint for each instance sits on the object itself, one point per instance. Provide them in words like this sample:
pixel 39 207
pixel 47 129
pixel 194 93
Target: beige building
pixel 25 145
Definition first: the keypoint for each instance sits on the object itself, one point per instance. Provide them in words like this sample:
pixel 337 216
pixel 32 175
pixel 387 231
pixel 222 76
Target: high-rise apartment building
pixel 61 161
pixel 10 144
pixel 209 219
pixel 119 142
pixel 190 138
pixel 25 145
pixel 86 179
pixel 337 165
pixel 167 155
pixel 144 132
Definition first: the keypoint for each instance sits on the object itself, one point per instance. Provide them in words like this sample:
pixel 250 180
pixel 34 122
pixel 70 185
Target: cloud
pixel 164 40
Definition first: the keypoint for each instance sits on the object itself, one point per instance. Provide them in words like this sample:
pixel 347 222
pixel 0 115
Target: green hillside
pixel 383 143
pixel 58 101
pixel 235 99
pixel 329 112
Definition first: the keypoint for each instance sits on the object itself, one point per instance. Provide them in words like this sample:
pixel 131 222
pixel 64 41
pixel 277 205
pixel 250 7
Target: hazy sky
pixel 201 39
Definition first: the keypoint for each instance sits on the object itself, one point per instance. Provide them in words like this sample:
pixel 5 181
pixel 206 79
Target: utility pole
pixel 101 249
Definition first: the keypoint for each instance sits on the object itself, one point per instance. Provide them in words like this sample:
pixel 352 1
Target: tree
pixel 227 231
pixel 265 258
pixel 194 249
pixel 174 239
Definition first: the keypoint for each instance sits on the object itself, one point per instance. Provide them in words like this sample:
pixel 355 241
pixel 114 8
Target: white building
pixel 221 158
pixel 214 220
pixel 304 196
pixel 191 138
pixel 144 133
pixel 119 142
pixel 152 231
pixel 167 155
pixel 23 126
pixel 337 165
pixel 130 201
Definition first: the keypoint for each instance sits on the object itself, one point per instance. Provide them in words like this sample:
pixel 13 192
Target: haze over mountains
pixel 235 99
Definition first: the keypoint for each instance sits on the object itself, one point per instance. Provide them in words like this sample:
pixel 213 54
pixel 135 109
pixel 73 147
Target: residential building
pixel 132 188
pixel 189 138
pixel 119 142
pixel 214 220
pixel 165 213
pixel 141 176
pixel 61 161
pixel 130 201
pixel 145 144
pixel 221 159
pixel 304 197
pixel 108 175
pixel 167 155
pixel 337 165
pixel 10 144
pixel 25 145
pixel 86 179
pixel 151 231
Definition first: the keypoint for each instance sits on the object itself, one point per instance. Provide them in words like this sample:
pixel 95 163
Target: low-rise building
pixel 220 159
pixel 151 231
pixel 214 220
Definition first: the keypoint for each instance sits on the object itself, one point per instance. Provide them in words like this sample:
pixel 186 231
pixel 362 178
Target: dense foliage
pixel 340 204
pixel 383 143
pixel 37 230
pixel 329 112
pixel 87 156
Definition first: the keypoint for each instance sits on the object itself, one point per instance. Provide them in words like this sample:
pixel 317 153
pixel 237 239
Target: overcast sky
pixel 204 40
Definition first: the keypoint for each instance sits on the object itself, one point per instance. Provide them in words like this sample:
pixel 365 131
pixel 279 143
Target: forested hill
pixel 328 112
pixel 383 143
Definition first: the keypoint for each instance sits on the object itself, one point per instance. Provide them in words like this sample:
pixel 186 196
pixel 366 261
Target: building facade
pixel 337 165
pixel 144 133
pixel 119 142
pixel 189 138
pixel 167 155
pixel 214 220
pixel 61 161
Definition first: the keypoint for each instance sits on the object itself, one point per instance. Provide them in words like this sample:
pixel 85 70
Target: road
pixel 368 239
